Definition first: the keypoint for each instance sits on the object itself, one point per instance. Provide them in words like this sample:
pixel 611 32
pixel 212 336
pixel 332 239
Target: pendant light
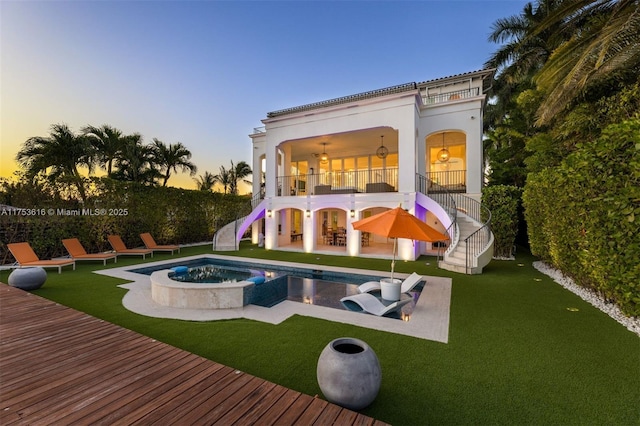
pixel 324 158
pixel 382 151
pixel 443 154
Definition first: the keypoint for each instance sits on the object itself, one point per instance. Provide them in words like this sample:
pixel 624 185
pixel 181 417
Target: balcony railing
pixel 343 182
pixel 367 181
pixel 431 99
pixel 451 181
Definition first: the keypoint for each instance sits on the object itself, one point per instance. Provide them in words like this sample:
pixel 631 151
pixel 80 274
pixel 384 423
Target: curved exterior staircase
pixel 228 237
pixel 471 244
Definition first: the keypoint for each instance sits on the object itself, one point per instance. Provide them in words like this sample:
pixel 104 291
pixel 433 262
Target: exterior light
pixel 352 213
pixel 382 151
pixel 443 154
pixel 324 158
pixel 308 213
pixel 269 213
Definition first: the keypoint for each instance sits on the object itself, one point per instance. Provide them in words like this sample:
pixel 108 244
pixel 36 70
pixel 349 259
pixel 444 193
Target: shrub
pixel 171 215
pixel 583 215
pixel 503 202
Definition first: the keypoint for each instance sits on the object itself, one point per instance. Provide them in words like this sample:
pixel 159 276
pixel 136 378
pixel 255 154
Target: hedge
pixel 503 201
pixel 171 215
pixel 583 217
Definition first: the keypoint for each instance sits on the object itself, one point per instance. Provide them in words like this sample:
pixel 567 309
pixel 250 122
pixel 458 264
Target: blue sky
pixel 205 73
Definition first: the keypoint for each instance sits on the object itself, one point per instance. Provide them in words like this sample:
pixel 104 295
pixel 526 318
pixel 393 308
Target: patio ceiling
pixel 339 145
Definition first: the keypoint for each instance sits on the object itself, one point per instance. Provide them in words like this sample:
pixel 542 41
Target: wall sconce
pixel 308 213
pixel 269 213
pixel 352 213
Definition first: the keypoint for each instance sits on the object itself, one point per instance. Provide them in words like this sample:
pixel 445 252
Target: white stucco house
pixel 319 167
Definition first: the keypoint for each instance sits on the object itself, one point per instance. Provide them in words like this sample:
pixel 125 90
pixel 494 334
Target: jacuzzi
pixel 175 294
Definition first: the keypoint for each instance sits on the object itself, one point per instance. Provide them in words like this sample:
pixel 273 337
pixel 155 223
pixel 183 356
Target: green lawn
pixel 516 353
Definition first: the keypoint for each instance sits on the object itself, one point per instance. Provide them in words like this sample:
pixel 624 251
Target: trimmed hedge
pixel 584 216
pixel 503 202
pixel 171 215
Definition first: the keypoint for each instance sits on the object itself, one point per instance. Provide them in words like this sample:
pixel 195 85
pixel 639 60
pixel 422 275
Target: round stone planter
pixel 31 278
pixel 349 373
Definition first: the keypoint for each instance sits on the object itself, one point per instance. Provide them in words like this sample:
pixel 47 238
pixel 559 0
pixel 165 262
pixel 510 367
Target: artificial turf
pixel 522 350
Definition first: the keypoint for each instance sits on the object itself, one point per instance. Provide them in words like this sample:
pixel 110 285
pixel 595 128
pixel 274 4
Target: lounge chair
pixel 77 252
pixel 366 302
pixel 121 249
pixel 150 243
pixel 407 285
pixel 25 256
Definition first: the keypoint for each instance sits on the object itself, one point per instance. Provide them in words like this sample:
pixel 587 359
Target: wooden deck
pixel 61 366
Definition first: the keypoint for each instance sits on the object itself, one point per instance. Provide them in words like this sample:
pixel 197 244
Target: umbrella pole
pixel 393 261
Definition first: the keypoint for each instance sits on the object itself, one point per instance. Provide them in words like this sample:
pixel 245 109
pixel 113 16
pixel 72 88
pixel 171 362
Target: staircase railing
pixel 255 200
pixel 443 197
pixel 478 240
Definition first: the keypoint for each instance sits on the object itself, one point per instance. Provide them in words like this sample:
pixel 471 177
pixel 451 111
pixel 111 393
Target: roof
pixel 345 99
pixel 406 87
pixel 479 73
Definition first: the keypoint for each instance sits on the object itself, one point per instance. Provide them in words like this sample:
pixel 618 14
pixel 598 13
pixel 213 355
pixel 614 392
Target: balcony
pixel 447 181
pixel 430 99
pixel 341 182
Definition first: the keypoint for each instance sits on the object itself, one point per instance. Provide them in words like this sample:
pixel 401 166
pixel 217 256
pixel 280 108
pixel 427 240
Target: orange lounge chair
pixel 150 243
pixel 121 249
pixel 77 252
pixel 25 256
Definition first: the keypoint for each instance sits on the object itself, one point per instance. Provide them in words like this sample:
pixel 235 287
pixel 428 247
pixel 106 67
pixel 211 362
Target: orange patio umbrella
pixel 398 223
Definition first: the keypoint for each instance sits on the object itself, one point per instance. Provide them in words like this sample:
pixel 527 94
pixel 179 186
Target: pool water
pixel 215 274
pixel 315 287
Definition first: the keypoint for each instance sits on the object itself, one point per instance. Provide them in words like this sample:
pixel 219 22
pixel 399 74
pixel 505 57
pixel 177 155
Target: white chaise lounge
pixel 369 303
pixel 406 286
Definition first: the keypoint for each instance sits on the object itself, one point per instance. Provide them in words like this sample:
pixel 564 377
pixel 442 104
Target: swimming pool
pixel 217 283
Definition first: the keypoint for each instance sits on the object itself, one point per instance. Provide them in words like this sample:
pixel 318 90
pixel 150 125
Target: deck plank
pixel 61 366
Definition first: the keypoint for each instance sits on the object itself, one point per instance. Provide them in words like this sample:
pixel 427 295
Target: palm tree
pixel 136 161
pixel 240 172
pixel 108 142
pixel 61 153
pixel 225 177
pixel 605 48
pixel 171 158
pixel 206 182
pixel 523 52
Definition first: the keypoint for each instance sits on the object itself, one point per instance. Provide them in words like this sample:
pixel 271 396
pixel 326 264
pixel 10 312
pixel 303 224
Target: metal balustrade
pixel 340 182
pixel 438 98
pixel 449 181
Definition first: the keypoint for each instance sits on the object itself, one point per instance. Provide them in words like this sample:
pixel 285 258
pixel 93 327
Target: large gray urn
pixel 31 278
pixel 349 373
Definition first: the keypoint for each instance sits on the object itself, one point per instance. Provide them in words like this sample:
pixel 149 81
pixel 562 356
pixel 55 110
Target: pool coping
pixel 429 320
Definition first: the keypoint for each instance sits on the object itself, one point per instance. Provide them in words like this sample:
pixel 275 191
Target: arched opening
pixel 446 160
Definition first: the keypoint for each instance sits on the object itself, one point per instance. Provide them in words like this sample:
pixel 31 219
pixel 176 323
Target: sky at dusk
pixel 205 73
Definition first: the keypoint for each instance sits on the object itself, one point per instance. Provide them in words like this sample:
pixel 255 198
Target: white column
pixel 353 236
pixel 271 229
pixel 308 232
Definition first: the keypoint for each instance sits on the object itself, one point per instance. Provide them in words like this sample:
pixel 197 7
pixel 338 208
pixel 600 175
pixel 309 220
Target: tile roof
pixel 375 93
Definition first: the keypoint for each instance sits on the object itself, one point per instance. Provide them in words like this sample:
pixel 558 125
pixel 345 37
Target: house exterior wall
pixel 412 119
pixel 465 117
pixel 395 111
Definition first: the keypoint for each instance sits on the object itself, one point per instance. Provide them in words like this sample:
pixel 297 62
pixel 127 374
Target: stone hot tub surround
pixel 175 294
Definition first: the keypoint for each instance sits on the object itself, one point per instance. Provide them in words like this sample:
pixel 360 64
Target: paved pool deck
pixel 429 319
